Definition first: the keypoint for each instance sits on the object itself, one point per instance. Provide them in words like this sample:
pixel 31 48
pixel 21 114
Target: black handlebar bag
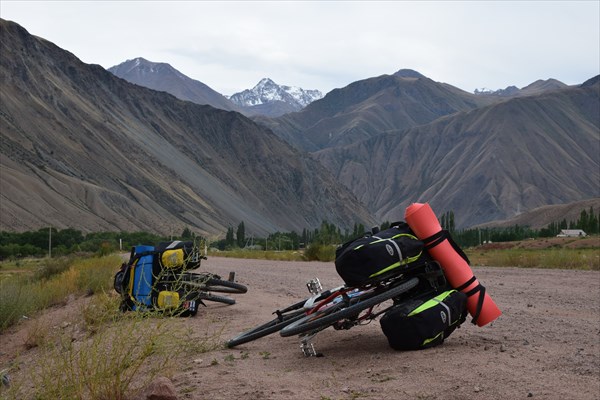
pixel 371 257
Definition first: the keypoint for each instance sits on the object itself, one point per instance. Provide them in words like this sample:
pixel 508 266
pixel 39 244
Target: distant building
pixel 571 233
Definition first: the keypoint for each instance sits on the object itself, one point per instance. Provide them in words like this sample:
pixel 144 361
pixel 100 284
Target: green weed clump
pixel 50 267
pixel 552 258
pixel 25 294
pixel 108 354
pixel 284 255
pixel 320 252
pixel 107 365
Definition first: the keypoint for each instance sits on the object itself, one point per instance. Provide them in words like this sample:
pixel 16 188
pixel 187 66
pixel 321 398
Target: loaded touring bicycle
pixel 387 274
pixel 163 277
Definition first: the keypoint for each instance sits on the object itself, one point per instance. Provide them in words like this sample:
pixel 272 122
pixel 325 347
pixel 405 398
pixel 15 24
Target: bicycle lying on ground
pixel 205 283
pixel 163 278
pixel 345 307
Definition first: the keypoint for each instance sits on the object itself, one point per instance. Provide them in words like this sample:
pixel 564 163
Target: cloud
pixel 231 45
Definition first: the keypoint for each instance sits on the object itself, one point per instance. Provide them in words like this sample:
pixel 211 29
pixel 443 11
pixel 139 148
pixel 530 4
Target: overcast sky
pixel 323 45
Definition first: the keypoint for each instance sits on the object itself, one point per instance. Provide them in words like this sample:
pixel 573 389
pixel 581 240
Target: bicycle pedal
pixel 231 276
pixel 307 347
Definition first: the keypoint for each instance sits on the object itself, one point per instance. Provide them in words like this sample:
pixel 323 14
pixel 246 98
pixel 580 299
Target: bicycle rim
pixel 265 329
pixel 220 285
pixel 216 285
pixel 285 317
pixel 216 298
pixel 321 319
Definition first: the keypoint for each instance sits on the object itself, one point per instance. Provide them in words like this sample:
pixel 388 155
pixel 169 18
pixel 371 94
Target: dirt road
pixel 546 345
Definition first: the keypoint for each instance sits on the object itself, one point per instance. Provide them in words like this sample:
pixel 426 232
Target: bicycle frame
pixel 371 297
pixel 306 345
pixel 342 307
pixel 336 296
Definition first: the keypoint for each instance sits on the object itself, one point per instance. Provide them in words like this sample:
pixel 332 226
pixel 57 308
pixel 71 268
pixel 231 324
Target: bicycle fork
pixel 306 345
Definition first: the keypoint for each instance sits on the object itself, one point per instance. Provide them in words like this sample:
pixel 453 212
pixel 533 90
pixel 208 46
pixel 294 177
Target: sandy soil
pixel 546 345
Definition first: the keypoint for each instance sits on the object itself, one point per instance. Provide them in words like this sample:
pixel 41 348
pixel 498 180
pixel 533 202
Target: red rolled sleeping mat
pixel 423 222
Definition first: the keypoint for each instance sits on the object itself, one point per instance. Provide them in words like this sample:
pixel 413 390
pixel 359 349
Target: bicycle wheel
pixel 327 316
pixel 211 283
pixel 216 298
pixel 284 317
pixel 223 286
pixel 265 329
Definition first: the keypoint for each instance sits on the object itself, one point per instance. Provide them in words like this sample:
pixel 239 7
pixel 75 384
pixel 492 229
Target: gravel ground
pixel 546 345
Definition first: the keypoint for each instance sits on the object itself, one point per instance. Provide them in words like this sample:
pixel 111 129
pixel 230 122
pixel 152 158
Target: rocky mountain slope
pixel 488 163
pixel 391 140
pixel 541 217
pixel 84 149
pixel 370 107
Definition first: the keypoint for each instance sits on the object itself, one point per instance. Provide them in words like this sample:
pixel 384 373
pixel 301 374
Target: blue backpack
pixel 141 281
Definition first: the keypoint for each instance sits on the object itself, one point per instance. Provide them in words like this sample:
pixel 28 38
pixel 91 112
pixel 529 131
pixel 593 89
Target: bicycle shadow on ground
pixel 349 345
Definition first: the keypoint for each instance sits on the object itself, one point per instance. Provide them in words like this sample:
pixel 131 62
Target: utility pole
pixel 50 242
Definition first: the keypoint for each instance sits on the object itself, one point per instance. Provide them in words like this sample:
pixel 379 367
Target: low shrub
pixel 551 258
pixel 52 266
pixel 107 355
pixel 320 252
pixel 22 295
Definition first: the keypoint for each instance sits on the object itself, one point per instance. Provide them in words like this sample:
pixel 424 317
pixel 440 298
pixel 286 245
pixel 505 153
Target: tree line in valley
pixel 54 242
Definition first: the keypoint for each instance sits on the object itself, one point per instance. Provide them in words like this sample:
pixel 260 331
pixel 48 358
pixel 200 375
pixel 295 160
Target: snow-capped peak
pixel 266 91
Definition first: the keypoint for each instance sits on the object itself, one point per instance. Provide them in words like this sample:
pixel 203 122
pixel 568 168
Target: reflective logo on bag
pixel 190 305
pixel 444 317
pixel 389 249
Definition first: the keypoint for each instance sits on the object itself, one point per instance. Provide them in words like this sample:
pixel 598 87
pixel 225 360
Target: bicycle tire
pixel 223 286
pixel 201 282
pixel 216 298
pixel 323 318
pixel 264 329
pixel 285 316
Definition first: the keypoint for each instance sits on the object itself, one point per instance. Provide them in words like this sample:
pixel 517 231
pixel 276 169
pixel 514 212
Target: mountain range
pixel 266 98
pixel 360 153
pixel 84 149
pixel 533 88
pixel 372 107
pixel 484 164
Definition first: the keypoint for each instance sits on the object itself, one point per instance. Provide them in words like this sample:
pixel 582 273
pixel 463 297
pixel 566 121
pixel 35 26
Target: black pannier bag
pixel 417 324
pixel 369 258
